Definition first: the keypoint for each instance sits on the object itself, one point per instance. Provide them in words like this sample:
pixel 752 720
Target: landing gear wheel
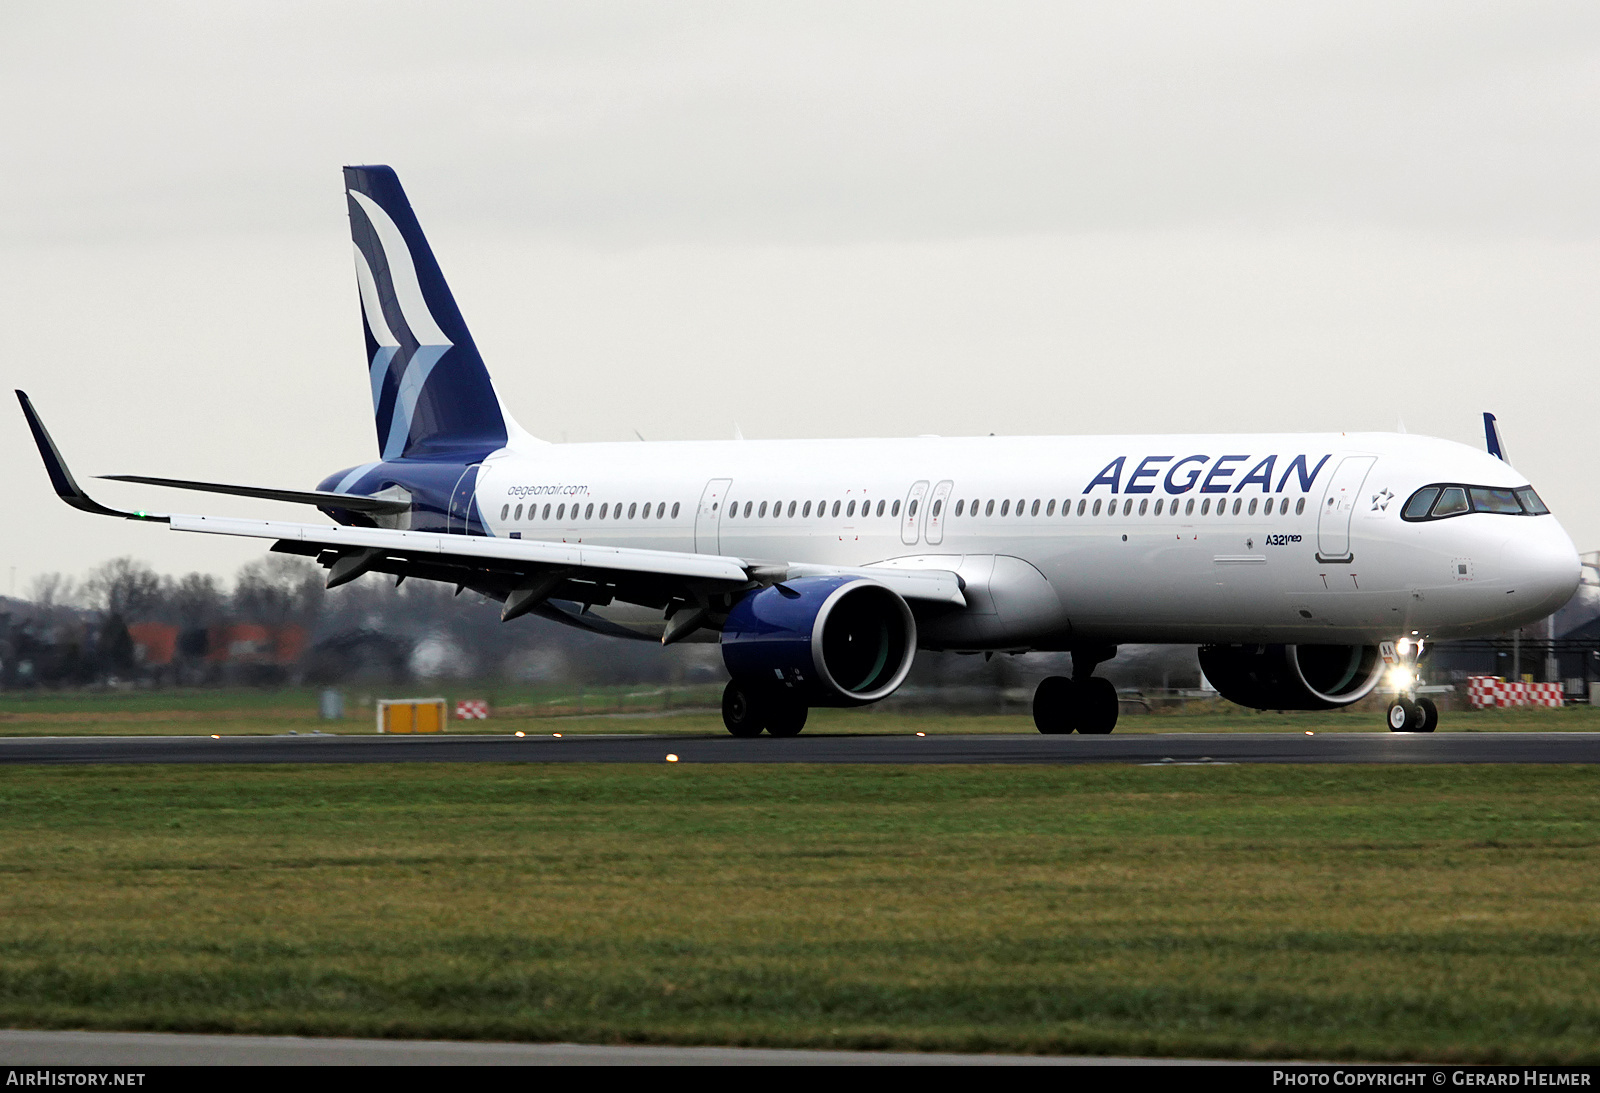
pixel 1097 706
pixel 785 715
pixel 743 712
pixel 1054 704
pixel 1430 715
pixel 1404 716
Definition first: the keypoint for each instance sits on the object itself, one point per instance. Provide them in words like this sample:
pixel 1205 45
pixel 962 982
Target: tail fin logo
pixel 410 343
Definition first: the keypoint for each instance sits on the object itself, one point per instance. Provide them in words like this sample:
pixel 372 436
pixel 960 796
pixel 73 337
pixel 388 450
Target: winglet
pixel 1491 437
pixel 66 486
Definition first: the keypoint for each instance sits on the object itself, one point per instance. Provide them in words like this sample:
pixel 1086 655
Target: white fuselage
pixel 1258 538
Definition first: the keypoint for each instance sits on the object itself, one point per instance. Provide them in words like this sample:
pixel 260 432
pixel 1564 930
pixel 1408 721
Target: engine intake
pixel 841 641
pixel 1292 677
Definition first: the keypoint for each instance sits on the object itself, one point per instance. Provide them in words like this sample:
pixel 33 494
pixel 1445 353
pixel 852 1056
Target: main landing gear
pixel 1086 703
pixel 1409 712
pixel 749 706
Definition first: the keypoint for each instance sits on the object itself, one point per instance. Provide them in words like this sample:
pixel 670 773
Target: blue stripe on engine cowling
pixel 767 637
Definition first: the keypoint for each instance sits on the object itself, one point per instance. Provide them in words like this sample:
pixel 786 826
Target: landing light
pixel 521 733
pixel 671 758
pixel 922 734
pixel 1401 679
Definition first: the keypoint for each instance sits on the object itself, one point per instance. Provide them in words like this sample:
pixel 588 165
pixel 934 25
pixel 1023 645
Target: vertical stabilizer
pixel 1491 437
pixel 431 395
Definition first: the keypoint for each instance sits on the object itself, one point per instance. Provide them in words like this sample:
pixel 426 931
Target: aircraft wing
pixel 523 573
pixel 606 572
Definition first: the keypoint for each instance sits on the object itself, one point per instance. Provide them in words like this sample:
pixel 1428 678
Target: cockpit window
pixel 1501 501
pixel 1440 500
pixel 1417 507
pixel 1530 502
pixel 1452 501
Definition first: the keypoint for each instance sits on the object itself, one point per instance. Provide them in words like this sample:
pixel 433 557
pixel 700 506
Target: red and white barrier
pixel 472 709
pixel 1490 692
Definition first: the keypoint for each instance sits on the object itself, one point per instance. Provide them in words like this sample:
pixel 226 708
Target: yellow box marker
pixel 411 715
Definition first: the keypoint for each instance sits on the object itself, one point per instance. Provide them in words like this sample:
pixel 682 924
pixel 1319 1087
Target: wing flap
pixel 530 552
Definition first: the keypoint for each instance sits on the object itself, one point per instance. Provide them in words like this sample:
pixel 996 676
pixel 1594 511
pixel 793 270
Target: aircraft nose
pixel 1542 565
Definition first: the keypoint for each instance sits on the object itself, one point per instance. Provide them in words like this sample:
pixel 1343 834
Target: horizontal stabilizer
pixel 327 499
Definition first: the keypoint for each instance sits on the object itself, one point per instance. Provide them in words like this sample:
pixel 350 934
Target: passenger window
pixel 1300 506
pixel 1503 502
pixel 1531 503
pixel 1005 507
pixel 1096 507
pixel 504 511
pixel 988 510
pixel 1127 507
pixel 1020 503
pixel 1451 501
pixel 1035 510
pixel 791 510
pixel 1205 507
pixel 633 507
pixel 850 509
pixel 880 508
pixel 675 505
pixel 959 506
pixel 1188 508
pixel 1252 506
pixel 546 514
pixel 1144 504
pixel 1050 509
pixel 937 505
pixel 894 509
pixel 836 508
pixel 588 511
pixel 1236 503
pixel 561 513
pixel 1417 507
pixel 1082 503
pixel 518 514
pixel 762 511
pixel 602 512
pixel 1283 507
pixel 806 512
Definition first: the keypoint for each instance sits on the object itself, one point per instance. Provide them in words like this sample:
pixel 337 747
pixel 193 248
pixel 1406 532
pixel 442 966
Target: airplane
pixel 1306 567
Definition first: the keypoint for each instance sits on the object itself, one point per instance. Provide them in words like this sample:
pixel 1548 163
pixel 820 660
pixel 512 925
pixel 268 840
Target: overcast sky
pixel 806 219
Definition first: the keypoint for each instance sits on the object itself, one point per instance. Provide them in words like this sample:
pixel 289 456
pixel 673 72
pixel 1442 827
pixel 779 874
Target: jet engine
pixel 838 641
pixel 1292 677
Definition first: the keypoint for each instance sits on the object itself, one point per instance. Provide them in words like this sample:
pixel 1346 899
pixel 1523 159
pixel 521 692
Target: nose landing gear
pixel 1409 712
pixel 1086 703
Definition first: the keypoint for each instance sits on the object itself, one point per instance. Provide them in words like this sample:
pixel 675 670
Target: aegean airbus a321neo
pixel 1307 567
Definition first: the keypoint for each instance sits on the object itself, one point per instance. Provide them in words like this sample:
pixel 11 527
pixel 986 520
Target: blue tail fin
pixel 431 394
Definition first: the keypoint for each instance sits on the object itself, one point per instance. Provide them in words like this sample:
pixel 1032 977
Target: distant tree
pixel 194 600
pixel 278 589
pixel 52 590
pixel 124 588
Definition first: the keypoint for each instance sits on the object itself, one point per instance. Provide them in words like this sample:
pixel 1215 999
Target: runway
pixel 1558 747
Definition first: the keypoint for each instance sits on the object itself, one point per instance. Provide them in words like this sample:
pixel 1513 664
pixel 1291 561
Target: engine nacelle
pixel 839 641
pixel 1292 677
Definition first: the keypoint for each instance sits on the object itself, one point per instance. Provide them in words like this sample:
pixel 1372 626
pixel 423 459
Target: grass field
pixel 667 711
pixel 1438 913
